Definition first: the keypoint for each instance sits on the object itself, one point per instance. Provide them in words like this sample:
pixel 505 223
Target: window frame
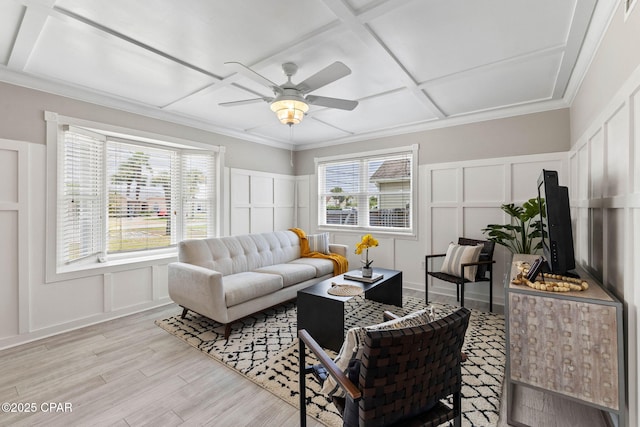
pixel 116 261
pixel 410 232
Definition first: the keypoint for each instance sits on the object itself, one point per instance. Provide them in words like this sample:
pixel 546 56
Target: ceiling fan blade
pixel 244 102
pixel 249 73
pixel 327 75
pixel 323 101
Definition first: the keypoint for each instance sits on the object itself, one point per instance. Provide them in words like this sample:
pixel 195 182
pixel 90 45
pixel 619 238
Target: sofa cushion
pixel 241 287
pixel 319 243
pixel 322 266
pixel 291 273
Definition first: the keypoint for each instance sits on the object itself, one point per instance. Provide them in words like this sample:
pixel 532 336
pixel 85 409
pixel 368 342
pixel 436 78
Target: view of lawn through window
pixel 139 198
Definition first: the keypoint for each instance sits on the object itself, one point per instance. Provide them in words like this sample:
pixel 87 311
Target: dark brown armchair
pixel 402 378
pixel 484 270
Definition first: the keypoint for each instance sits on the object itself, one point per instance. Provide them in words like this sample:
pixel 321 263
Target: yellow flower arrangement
pixel 368 241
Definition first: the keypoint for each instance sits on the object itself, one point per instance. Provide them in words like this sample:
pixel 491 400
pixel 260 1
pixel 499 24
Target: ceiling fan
pixel 291 101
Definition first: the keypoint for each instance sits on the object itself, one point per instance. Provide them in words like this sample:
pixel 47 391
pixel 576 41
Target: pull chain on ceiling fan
pixel 291 101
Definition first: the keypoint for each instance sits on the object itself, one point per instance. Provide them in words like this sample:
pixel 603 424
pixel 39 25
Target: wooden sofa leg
pixel 184 312
pixel 227 331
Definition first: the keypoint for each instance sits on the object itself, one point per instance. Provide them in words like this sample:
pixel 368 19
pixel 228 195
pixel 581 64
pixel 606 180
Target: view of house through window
pixel 120 196
pixel 374 191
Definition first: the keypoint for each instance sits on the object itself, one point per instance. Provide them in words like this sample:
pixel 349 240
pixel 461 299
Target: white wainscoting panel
pixel 261 192
pixel 284 196
pixel 70 300
pixel 260 201
pixel 443 221
pixel 131 288
pixel 607 157
pixel 615 250
pixel 483 183
pixel 9 266
pixel 635 121
pixel 262 219
pixel 303 202
pixel 14 244
pixel 444 185
pixel 596 170
pixel 617 152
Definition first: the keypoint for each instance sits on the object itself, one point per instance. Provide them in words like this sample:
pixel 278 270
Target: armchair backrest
pixel 486 254
pixel 404 372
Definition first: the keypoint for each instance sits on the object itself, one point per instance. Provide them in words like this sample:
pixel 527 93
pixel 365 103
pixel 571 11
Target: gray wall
pixel 22 119
pixel 617 57
pixel 545 132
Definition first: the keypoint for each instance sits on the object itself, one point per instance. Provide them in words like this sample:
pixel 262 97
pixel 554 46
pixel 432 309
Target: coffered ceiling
pixel 416 64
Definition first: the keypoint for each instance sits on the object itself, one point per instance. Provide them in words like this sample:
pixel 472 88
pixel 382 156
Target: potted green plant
pixel 523 235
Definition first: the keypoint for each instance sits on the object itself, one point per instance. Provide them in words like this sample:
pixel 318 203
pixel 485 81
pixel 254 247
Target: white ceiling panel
pixel 414 63
pixel 510 84
pixel 204 106
pixel 10 16
pixel 438 38
pixel 400 107
pixel 207 33
pixel 78 54
pixel 309 132
pixel 337 45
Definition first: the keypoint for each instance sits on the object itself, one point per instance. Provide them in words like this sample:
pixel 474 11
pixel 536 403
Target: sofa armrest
pixel 336 248
pixel 199 289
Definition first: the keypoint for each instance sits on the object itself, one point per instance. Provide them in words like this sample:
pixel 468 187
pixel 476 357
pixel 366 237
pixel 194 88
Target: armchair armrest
pixel 478 263
pixel 350 388
pixel 387 315
pixel 435 256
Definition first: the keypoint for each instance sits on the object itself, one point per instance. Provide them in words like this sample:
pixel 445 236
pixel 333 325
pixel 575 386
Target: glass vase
pixel 367 272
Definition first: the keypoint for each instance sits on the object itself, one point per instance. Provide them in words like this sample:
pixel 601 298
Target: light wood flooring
pixel 129 372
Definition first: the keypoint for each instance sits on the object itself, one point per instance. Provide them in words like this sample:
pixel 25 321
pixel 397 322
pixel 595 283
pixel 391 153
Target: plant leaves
pixel 524 230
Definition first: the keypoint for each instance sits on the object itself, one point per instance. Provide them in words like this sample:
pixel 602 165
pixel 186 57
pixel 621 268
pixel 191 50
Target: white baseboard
pixel 39 334
pixel 450 291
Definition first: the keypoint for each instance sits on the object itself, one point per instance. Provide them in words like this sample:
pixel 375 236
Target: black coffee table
pixel 322 314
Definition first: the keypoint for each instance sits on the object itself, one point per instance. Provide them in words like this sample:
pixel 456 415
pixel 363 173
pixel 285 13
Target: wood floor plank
pixel 128 372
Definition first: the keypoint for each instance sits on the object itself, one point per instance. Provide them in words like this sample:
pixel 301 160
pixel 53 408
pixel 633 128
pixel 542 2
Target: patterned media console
pixel 568 343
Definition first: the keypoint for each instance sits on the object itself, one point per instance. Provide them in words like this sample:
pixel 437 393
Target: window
pixel 122 196
pixel 372 191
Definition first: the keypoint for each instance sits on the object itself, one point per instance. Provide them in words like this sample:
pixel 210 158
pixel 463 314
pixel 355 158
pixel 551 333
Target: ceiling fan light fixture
pixel 289 109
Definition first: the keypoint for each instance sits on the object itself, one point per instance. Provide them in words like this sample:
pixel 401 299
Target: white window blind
pixel 80 196
pixel 198 195
pixel 373 191
pixel 119 196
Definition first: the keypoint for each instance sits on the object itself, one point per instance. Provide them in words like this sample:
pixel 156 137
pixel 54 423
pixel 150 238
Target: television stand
pixel 573 274
pixel 569 344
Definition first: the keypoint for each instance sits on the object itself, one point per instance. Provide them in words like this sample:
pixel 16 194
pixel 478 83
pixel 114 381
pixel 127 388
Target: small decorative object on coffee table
pixel 358 276
pixel 368 241
pixel 344 290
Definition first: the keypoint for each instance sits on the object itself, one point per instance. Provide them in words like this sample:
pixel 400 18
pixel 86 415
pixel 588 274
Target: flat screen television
pixel 557 236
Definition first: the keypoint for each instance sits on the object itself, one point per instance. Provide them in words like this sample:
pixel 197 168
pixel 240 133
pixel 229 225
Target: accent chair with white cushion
pixel 468 261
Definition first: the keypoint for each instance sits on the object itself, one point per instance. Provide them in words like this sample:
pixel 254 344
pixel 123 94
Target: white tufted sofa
pixel 228 278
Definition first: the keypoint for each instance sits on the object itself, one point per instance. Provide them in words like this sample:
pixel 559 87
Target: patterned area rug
pixel 264 348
